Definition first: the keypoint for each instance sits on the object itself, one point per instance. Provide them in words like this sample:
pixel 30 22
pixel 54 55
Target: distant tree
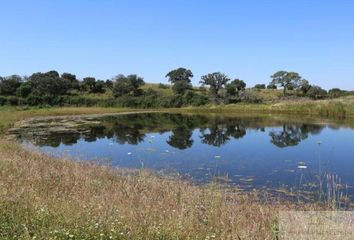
pixel 316 92
pixel 181 80
pixel 44 88
pixel 109 84
pixel 236 86
pixel 9 85
pixel 49 83
pixel 88 84
pixel 260 86
pixel 99 87
pixel 216 82
pixel 127 85
pixel 75 84
pixel 272 86
pixel 286 80
pixel 24 90
pixel 304 86
pixel 336 92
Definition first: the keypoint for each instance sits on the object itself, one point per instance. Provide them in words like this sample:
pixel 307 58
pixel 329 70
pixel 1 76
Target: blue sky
pixel 246 39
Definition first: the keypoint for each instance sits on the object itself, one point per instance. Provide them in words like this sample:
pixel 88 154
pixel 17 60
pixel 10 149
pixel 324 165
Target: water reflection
pixel 251 151
pixel 215 131
pixel 292 135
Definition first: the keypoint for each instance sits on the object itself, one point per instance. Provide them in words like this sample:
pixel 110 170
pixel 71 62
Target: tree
pixel 109 84
pixel 286 80
pixel 44 88
pixel 260 86
pixel 304 86
pixel 9 85
pixel 216 81
pixel 271 86
pixel 75 84
pixel 99 87
pixel 316 92
pixel 49 83
pixel 181 80
pixel 336 92
pixel 236 86
pixel 127 85
pixel 88 84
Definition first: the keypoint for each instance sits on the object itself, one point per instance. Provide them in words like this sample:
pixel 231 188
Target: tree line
pixel 51 88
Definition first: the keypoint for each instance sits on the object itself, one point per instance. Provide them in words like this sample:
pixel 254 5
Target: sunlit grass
pixel 47 198
pixel 51 198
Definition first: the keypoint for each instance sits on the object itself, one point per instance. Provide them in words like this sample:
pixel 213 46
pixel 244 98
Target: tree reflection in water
pixel 292 135
pixel 213 130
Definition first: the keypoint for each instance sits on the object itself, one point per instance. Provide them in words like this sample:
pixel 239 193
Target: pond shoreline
pixel 75 196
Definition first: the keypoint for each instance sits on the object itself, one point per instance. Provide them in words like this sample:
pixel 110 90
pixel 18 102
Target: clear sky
pixel 246 39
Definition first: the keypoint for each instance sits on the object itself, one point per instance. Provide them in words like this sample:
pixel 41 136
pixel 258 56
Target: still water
pixel 271 153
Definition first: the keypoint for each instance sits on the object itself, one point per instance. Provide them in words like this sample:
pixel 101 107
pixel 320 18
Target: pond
pixel 299 158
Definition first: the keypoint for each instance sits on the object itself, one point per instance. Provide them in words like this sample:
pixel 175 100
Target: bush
pixel 316 92
pixel 250 97
pixel 336 92
pixel 2 101
pixel 163 86
pixel 13 101
pixel 260 86
pixel 272 86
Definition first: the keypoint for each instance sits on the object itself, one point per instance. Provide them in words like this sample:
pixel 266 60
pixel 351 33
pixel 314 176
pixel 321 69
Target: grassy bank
pixel 337 109
pixel 46 198
pixel 59 199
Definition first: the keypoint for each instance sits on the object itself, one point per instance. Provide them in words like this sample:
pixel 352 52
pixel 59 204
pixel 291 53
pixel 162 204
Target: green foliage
pixel 250 97
pixel 74 83
pixel 304 86
pixel 286 80
pixel 180 74
pixel 9 85
pixel 163 86
pixel 336 92
pixel 271 86
pixel 316 92
pixel 109 84
pixel 127 85
pixel 260 86
pixel 181 87
pixel 216 82
pixel 24 90
pixel 89 84
pixel 181 80
pixel 49 83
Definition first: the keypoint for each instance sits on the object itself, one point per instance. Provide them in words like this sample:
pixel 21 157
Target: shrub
pixel 12 100
pixel 250 97
pixel 2 101
pixel 272 86
pixel 163 86
pixel 260 86
pixel 316 92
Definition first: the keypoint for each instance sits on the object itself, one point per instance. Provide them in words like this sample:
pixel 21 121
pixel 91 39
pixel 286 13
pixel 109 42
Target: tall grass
pixel 47 198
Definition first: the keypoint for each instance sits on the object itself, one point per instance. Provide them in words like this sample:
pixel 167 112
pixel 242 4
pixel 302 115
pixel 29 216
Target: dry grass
pixel 60 199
